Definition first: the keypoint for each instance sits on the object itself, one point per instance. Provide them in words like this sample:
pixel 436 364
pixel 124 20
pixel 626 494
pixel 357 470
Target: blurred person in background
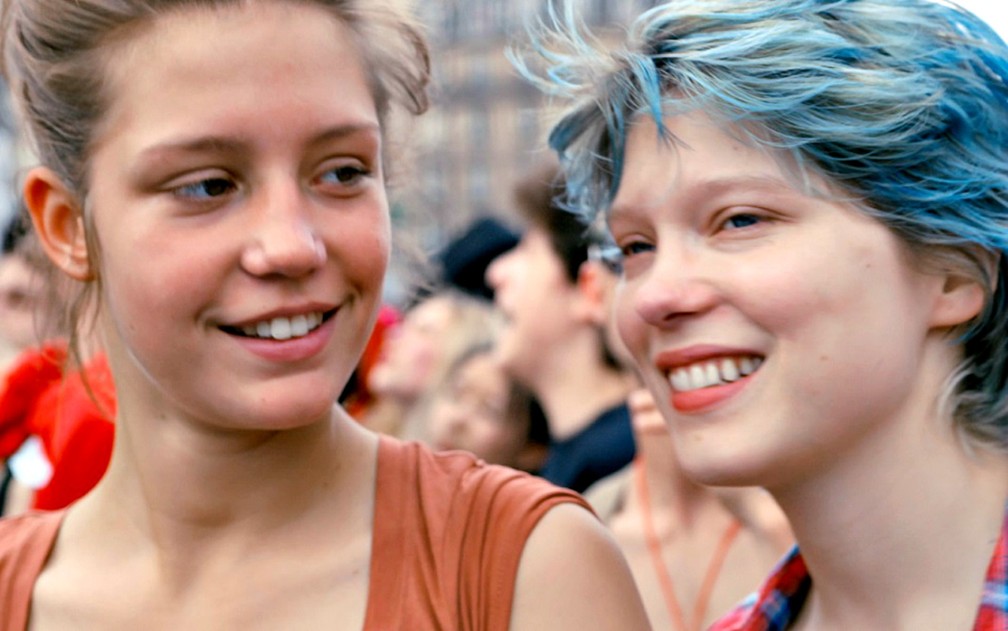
pixel 554 341
pixel 21 293
pixel 416 354
pixel 480 409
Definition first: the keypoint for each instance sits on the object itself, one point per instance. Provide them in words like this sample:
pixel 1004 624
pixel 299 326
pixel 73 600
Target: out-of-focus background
pixel 486 126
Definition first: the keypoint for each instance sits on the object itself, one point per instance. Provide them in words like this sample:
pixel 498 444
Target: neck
pixel 914 504
pixel 675 500
pixel 182 486
pixel 577 393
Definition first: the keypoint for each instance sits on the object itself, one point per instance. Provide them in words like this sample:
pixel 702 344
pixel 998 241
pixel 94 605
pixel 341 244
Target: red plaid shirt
pixel 779 601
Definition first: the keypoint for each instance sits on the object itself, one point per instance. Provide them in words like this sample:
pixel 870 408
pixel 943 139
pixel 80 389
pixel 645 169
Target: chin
pixel 724 469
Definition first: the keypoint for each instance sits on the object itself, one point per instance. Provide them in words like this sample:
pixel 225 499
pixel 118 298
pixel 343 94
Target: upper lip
pixel 283 312
pixel 667 361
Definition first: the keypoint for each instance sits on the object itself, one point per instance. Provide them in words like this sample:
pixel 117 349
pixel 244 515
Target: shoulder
pixel 570 554
pixel 453 529
pixel 451 478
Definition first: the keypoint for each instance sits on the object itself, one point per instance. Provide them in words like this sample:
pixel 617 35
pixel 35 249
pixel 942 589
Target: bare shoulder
pixel 573 576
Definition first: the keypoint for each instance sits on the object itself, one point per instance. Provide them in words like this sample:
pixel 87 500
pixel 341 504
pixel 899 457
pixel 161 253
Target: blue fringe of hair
pixel 904 103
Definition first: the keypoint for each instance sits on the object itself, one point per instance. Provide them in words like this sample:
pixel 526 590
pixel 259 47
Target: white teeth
pixel 285 328
pixel 280 328
pixel 698 375
pixel 680 379
pixel 263 329
pixel 298 326
pixel 713 373
pixel 713 376
pixel 729 371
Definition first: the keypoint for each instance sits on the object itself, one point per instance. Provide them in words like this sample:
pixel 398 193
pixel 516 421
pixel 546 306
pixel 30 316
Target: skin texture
pixel 726 257
pixel 722 255
pixel 237 177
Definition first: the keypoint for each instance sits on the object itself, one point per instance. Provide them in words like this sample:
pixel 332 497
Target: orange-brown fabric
pixel 25 543
pixel 449 537
pixel 449 533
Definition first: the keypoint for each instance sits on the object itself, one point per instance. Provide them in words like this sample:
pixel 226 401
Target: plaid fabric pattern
pixel 777 604
pixel 993 614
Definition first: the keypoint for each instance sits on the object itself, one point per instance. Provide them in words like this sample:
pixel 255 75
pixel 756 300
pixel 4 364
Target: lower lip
pixel 706 398
pixel 292 350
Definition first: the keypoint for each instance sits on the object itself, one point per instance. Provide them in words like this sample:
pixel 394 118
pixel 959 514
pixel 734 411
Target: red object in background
pixel 361 398
pixel 76 430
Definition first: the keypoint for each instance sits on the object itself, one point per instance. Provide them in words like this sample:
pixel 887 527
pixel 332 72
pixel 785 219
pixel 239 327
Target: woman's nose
pixel 284 239
pixel 679 284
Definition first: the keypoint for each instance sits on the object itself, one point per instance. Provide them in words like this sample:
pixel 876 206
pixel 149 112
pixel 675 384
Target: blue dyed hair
pixel 903 104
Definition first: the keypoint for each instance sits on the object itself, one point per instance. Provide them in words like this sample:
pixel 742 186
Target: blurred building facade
pixel 487 125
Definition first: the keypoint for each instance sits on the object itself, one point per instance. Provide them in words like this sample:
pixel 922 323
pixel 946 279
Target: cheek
pixel 630 326
pixel 361 247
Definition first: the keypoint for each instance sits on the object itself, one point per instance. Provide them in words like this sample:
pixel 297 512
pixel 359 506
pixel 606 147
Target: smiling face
pixel 239 210
pixel 778 331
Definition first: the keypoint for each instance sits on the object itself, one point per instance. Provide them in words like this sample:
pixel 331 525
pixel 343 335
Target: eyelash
pixel 750 219
pixel 354 172
pixel 193 190
pixel 634 247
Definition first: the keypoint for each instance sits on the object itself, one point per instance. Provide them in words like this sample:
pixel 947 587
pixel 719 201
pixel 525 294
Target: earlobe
pixel 59 222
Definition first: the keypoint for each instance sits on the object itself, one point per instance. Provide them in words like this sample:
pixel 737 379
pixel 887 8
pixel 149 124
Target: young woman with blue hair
pixel 810 199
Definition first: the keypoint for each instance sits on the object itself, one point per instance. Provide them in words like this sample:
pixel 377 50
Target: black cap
pixel 464 260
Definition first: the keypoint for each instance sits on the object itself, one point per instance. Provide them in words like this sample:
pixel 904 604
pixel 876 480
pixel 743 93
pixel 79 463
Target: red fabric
pixel 76 432
pixel 361 399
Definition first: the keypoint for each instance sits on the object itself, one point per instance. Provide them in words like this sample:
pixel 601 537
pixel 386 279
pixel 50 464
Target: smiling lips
pixel 700 383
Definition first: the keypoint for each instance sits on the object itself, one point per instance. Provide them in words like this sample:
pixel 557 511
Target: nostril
pixel 284 252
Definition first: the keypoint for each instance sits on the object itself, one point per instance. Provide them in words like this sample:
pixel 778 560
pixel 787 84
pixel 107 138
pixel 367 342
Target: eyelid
pixel 177 188
pixel 356 167
pixel 196 176
pixel 721 219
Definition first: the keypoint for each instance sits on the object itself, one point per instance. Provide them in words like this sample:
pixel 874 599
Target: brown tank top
pixel 449 533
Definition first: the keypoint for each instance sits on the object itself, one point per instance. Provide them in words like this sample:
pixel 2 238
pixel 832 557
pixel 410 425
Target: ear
pixel 594 287
pixel 59 222
pixel 961 296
